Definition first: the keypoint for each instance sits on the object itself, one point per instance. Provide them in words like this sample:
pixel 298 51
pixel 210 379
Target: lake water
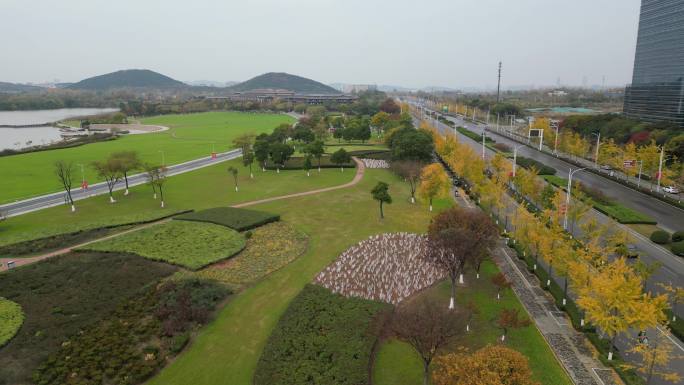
pixel 17 138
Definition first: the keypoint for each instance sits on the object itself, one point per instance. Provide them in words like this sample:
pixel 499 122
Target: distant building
pixel 558 93
pixel 355 88
pixel 657 90
pixel 270 95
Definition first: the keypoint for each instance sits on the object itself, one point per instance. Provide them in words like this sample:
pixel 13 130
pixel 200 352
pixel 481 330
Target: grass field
pixel 397 357
pixel 230 346
pixel 184 243
pixel 190 136
pixel 204 188
pixel 11 318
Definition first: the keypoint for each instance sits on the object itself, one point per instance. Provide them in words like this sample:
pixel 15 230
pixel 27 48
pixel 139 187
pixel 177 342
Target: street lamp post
pixel 641 166
pixel 515 158
pixel 598 144
pixel 567 195
pixel 660 167
pixel 483 143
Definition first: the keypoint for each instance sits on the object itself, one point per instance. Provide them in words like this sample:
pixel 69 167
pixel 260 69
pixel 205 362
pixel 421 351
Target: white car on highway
pixel 671 190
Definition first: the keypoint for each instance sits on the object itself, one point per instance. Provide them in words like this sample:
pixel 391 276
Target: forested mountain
pixel 128 79
pixel 12 88
pixel 281 80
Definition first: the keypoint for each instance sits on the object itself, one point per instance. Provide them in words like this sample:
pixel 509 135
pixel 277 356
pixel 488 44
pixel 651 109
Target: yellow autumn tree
pixel 434 183
pixel 491 365
pixel 655 353
pixel 614 301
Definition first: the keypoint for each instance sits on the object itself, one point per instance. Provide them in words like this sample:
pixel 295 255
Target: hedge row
pixel 324 339
pixel 235 218
pixel 11 318
pixel 541 168
pixel 475 136
pixel 297 163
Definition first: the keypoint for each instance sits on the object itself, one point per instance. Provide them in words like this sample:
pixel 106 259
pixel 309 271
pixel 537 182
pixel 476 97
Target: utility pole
pixel 483 145
pixel 498 86
pixel 567 196
pixel 598 144
pixel 660 167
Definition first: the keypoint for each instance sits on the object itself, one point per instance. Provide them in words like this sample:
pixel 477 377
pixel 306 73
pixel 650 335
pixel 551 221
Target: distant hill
pixel 128 79
pixel 281 80
pixel 13 88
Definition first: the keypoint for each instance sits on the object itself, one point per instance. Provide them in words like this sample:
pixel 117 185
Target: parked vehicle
pixel 671 190
pixel 606 167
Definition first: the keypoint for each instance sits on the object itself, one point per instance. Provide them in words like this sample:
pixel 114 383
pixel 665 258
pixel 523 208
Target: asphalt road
pixel 56 199
pixel 669 217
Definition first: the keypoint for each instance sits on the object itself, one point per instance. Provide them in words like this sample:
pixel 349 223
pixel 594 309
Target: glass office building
pixel 657 90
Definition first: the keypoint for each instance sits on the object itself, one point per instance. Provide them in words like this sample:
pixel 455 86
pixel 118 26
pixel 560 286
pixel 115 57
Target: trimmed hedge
pixel 297 163
pixel 324 339
pixel 678 248
pixel 624 214
pixel 475 136
pixel 660 237
pixel 678 236
pixel 235 218
pixel 528 163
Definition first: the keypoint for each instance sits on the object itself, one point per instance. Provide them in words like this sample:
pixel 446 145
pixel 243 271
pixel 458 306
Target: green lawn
pixel 191 136
pixel 396 355
pixel 185 243
pixel 11 318
pixel 208 187
pixel 228 349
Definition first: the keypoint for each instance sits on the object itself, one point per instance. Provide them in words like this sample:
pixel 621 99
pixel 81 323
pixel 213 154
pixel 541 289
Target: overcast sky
pixel 454 43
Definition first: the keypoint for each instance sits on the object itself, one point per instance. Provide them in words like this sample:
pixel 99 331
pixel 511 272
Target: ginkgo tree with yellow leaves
pixel 434 183
pixel 613 300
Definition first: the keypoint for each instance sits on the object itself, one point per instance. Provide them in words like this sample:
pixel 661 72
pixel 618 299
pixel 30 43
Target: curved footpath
pixel 360 170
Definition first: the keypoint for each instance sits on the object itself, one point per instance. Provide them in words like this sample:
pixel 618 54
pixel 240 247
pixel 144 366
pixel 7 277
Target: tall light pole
pixel 515 158
pixel 567 196
pixel 598 144
pixel 660 166
pixel 483 144
pixel 641 166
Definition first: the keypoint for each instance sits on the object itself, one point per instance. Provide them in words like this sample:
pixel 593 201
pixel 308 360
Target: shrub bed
pixel 624 214
pixel 11 318
pixel 541 168
pixel 235 218
pixel 297 163
pixel 322 338
pixel 188 244
pixel 678 248
pixel 678 236
pixel 660 237
pixel 137 339
pixel 372 154
pixel 269 248
pixel 61 296
pixel 475 136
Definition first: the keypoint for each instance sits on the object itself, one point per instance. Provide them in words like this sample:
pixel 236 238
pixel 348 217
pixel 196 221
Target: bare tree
pixel 455 238
pixel 409 170
pixel 428 328
pixel 158 180
pixel 511 319
pixel 110 171
pixel 234 172
pixel 150 171
pixel 128 161
pixel 499 280
pixel 64 171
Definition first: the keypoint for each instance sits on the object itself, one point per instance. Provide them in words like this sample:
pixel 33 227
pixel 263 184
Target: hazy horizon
pixel 434 43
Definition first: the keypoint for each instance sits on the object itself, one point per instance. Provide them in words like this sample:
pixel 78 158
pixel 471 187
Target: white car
pixel 671 190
